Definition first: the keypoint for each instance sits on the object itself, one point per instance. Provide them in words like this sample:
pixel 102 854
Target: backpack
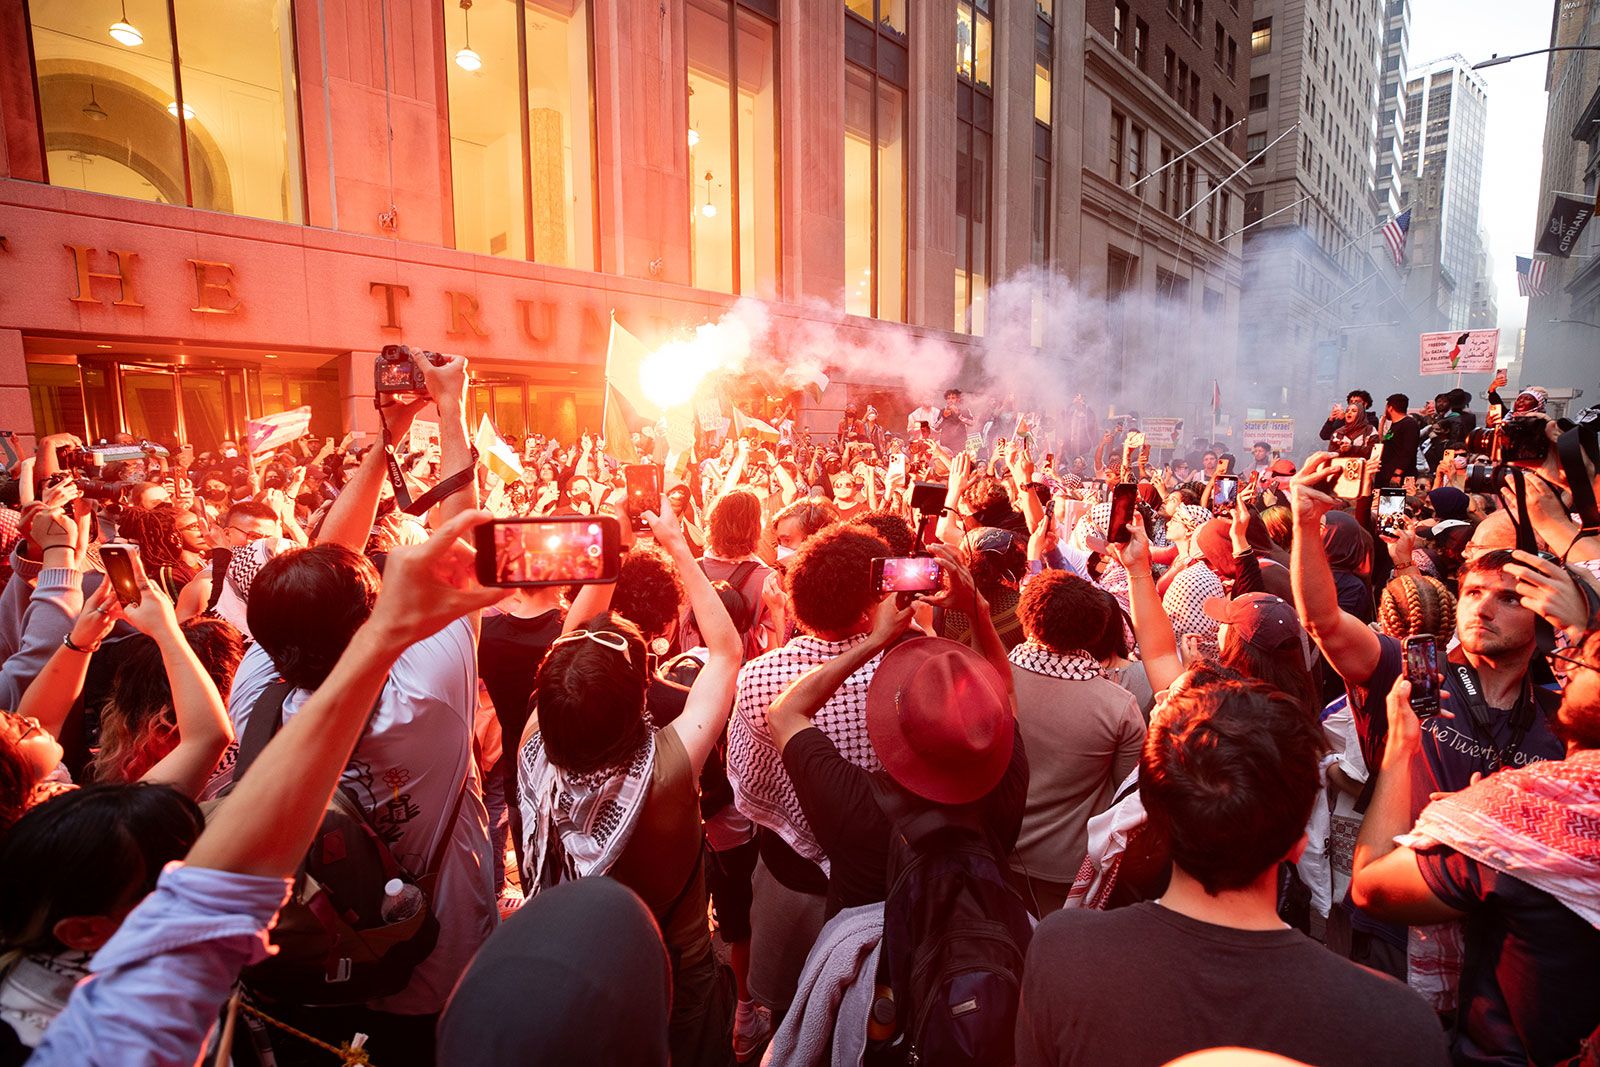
pixel 954 937
pixel 689 634
pixel 334 946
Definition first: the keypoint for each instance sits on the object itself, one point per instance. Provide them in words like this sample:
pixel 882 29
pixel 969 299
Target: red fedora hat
pixel 939 719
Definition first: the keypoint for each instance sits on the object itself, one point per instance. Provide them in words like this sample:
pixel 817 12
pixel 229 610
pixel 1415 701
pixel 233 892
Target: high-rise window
pixel 1040 205
pixel 1253 144
pixel 974 163
pixel 875 160
pixel 123 114
pixel 1136 136
pixel 1233 58
pixel 1261 37
pixel 1164 197
pixel 975 42
pixel 733 148
pixel 1119 123
pixel 1119 26
pixel 1258 91
pixel 521 166
pixel 1141 42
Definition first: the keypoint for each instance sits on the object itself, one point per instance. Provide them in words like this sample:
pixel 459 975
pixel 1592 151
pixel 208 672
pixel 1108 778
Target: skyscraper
pixel 1392 118
pixel 1447 110
pixel 1312 193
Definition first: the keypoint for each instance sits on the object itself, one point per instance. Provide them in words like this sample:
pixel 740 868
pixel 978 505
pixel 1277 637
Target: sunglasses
pixel 608 638
pixel 1566 662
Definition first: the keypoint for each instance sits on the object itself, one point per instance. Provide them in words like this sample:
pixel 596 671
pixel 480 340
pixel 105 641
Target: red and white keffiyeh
pixel 1539 824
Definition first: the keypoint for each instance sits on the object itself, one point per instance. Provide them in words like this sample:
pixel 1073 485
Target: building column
pixel 1066 165
pixel 811 105
pixel 356 395
pixel 21 146
pixel 16 410
pixel 931 214
pixel 1011 214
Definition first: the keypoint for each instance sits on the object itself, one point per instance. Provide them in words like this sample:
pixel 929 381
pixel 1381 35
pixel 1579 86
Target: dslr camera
pixel 1513 439
pixel 395 371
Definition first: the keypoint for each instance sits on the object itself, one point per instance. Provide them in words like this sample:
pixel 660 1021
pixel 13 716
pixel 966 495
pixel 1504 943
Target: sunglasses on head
pixel 608 638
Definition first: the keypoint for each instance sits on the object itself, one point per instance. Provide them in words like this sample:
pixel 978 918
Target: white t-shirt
pixel 405 773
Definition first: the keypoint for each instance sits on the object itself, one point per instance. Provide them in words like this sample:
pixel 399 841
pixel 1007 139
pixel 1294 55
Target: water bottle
pixel 400 901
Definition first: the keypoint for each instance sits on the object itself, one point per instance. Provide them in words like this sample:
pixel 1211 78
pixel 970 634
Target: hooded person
pixel 1448 502
pixel 577 976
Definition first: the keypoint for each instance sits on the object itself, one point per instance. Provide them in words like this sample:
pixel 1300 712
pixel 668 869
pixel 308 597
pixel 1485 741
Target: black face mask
pixel 214 495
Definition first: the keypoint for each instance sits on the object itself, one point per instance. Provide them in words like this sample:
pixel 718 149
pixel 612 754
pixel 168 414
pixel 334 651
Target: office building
pixel 1390 145
pixel 1447 109
pixel 1314 72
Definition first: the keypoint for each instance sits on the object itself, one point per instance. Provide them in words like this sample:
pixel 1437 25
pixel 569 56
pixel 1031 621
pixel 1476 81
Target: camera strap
pixel 1570 448
pixel 446 488
pixel 1522 714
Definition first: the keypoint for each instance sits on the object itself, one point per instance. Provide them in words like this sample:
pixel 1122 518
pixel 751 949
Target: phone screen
pixel 1391 510
pixel 644 492
pixel 907 574
pixel 1123 498
pixel 118 560
pixel 1421 653
pixel 1226 491
pixel 568 550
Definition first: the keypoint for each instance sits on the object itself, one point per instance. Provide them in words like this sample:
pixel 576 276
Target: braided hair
pixel 1417 604
pixel 155 530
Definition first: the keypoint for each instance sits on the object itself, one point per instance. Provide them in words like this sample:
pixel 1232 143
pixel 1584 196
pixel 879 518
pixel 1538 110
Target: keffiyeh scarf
pixel 577 825
pixel 1539 824
pixel 1035 657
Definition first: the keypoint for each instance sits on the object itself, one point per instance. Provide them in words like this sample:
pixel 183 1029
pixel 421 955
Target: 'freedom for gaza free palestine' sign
pixel 1162 432
pixel 1460 352
pixel 1277 433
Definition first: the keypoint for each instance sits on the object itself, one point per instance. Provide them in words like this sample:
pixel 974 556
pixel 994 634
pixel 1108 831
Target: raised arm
pixel 1152 629
pixel 350 519
pixel 961 594
pixel 204 730
pixel 792 711
pixel 949 530
pixel 49 700
pixel 55 601
pixel 1350 647
pixel 447 384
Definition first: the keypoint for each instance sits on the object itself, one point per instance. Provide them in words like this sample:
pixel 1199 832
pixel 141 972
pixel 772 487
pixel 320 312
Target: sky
pixel 1515 141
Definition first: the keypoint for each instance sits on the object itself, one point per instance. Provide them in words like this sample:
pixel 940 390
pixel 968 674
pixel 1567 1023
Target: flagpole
pixel 1217 188
pixel 1186 155
pixel 605 390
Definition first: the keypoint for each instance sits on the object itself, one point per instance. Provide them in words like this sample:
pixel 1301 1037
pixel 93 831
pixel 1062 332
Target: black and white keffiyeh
pixel 1076 666
pixel 575 826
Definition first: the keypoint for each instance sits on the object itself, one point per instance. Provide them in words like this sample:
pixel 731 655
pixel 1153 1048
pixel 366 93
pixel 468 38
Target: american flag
pixel 1394 232
pixel 1530 276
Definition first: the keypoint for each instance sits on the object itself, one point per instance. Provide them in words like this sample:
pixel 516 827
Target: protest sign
pixel 422 432
pixel 1278 433
pixel 1162 432
pixel 1460 352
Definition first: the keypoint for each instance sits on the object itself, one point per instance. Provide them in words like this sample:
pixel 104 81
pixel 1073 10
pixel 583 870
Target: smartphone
pixel 927 496
pixel 644 493
pixel 1391 509
pixel 556 550
pixel 906 574
pixel 897 468
pixel 1352 478
pixel 118 558
pixel 1226 491
pixel 1447 462
pixel 1421 658
pixel 1123 497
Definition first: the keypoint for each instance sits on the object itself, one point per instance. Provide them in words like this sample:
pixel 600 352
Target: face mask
pixel 230 452
pixel 214 495
pixel 784 553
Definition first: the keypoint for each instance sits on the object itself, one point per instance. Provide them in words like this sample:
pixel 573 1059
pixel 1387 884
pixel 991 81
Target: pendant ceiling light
pixel 708 209
pixel 123 32
pixel 93 108
pixel 467 59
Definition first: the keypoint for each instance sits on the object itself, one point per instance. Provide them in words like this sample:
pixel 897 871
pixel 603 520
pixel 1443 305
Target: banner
pixel 625 355
pixel 1460 352
pixel 618 434
pixel 1278 433
pixel 1162 432
pixel 743 424
pixel 1568 216
pixel 271 431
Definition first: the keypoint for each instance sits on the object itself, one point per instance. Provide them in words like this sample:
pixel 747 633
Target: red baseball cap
pixel 1266 621
pixel 1281 467
pixel 939 720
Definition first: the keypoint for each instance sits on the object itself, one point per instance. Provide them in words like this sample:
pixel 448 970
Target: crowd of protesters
pixel 287 784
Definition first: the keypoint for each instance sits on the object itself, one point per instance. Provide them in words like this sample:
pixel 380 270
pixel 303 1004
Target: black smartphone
pixel 1391 510
pixel 643 481
pixel 1421 653
pixel 1226 491
pixel 118 558
pixel 1123 498
pixel 927 496
pixel 906 574
pixel 557 550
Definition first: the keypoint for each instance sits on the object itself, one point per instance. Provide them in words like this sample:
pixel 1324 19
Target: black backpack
pixel 954 937
pixel 334 946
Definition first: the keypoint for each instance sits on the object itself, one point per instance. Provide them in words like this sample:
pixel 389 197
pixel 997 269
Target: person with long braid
pixel 171 544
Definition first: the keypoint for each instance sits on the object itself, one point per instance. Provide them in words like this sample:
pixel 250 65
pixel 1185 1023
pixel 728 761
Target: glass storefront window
pixel 888 14
pixel 522 183
pixel 117 112
pixel 874 195
pixel 891 216
pixel 733 201
pixel 858 189
pixel 149 404
pixel 57 399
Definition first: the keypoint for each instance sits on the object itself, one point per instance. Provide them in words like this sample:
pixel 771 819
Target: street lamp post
pixel 1497 59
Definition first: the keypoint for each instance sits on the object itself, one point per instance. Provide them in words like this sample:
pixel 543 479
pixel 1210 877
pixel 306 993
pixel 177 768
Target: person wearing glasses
pixel 603 792
pixel 243 523
pixel 1512 858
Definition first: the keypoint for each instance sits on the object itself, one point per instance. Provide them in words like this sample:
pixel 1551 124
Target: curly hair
pixel 1417 604
pixel 648 591
pixel 735 524
pixel 890 528
pixel 1229 774
pixel 829 581
pixel 988 500
pixel 1063 612
pixel 137 726
pixel 155 531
